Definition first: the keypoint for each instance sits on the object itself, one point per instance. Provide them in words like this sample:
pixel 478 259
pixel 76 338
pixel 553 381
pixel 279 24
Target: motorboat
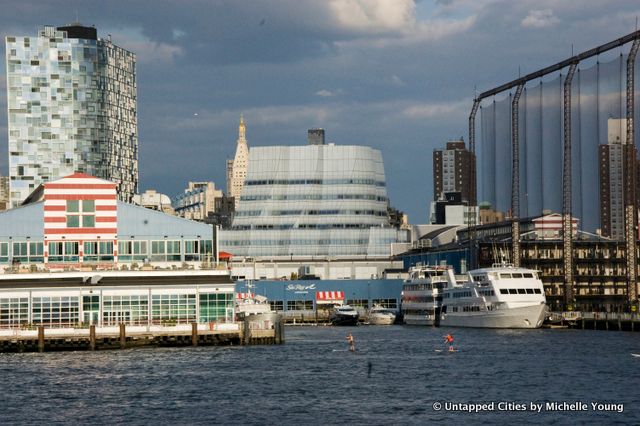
pixel 344 315
pixel 379 315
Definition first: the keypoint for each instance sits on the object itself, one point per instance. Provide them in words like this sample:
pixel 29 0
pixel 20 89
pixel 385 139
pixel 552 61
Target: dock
pixel 41 339
pixel 596 320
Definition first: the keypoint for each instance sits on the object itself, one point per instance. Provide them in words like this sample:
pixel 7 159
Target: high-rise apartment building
pixel 72 108
pixel 237 169
pixel 453 169
pixel 313 200
pixel 611 170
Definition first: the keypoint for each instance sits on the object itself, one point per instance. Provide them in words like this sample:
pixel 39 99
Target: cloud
pixel 437 109
pixel 328 93
pixel 396 81
pixel 540 18
pixel 374 16
pixel 325 93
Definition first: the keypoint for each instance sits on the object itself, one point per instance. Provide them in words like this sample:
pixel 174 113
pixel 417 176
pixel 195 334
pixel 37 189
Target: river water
pixel 396 376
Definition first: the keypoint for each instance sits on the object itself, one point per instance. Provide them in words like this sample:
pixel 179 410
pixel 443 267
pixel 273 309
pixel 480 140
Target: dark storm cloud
pixel 395 75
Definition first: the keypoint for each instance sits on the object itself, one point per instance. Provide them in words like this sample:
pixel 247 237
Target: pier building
pixel 71 107
pixel 111 298
pixel 78 222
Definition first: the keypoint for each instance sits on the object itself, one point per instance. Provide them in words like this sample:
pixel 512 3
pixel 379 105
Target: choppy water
pixel 394 377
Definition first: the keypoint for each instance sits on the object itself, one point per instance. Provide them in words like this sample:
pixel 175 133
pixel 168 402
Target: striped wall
pixel 80 187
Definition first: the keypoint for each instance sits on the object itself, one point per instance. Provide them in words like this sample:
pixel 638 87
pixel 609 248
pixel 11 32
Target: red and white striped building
pixel 80 215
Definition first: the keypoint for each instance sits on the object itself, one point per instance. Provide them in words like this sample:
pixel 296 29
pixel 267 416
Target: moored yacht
pixel 379 315
pixel 421 298
pixel 344 315
pixel 502 296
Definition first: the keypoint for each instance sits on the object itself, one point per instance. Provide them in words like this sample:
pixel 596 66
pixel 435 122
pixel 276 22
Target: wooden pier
pixel 92 338
pixel 597 320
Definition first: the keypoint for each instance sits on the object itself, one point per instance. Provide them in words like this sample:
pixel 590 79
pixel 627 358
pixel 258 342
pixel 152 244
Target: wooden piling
pixel 92 337
pixel 41 338
pixel 246 332
pixel 123 336
pixel 194 334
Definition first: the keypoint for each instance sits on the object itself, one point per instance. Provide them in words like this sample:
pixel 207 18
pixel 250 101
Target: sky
pixel 396 75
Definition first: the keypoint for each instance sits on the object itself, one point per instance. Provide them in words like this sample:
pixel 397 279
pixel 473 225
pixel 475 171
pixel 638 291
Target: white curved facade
pixel 315 200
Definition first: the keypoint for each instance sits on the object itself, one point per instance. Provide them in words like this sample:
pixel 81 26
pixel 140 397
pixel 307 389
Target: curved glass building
pixel 315 200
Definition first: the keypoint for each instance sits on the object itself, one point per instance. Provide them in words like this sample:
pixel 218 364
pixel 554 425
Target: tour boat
pixel 502 296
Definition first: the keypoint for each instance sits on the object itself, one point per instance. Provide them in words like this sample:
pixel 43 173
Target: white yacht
pixel 344 315
pixel 422 294
pixel 498 297
pixel 379 315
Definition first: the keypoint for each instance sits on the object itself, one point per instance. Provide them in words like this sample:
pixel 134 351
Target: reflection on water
pixel 395 376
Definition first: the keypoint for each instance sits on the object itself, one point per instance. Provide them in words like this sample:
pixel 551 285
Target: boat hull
pixel 382 319
pixel 344 320
pixel 523 317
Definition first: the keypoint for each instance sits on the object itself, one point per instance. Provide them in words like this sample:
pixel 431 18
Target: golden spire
pixel 242 130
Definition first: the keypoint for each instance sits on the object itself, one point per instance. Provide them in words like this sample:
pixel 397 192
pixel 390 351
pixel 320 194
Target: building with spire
pixel 237 168
pixel 71 108
pixel 302 202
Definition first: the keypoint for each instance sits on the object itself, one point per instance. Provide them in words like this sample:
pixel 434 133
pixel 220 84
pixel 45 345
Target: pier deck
pixel 598 320
pixel 121 337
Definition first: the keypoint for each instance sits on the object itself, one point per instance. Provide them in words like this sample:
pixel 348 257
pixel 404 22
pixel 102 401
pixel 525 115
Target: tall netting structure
pixel 595 108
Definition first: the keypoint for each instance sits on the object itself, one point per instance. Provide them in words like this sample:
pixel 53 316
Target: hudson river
pixel 398 375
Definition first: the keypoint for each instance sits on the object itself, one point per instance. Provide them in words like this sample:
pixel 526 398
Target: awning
pixel 242 296
pixel 223 255
pixel 329 297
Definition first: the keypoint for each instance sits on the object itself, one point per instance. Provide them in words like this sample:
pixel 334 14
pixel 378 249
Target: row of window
pixel 329 212
pixel 315 182
pixel 520 291
pixel 69 251
pixel 298 197
pixel 285 226
pixel 60 311
pixel 295 242
pixel 307 305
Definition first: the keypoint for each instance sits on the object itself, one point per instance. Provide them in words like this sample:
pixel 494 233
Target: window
pixel 299 305
pixel 14 311
pixel 127 309
pixel 4 252
pixel 191 250
pixel 216 307
pixel 20 253
pixel 81 214
pixel 504 291
pixel 173 308
pixel 56 311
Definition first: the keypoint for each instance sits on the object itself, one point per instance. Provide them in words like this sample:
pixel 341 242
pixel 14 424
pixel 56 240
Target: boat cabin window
pixel 513 291
pixel 529 291
pixel 536 291
pixel 522 291
pixel 504 291
pixel 528 275
pixel 505 276
pixel 516 275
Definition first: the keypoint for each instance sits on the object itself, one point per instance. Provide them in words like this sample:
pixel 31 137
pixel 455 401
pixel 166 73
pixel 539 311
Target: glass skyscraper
pixel 314 200
pixel 72 108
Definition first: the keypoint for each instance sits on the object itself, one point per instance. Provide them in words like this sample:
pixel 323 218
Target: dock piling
pixel 194 334
pixel 41 338
pixel 123 336
pixel 92 337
